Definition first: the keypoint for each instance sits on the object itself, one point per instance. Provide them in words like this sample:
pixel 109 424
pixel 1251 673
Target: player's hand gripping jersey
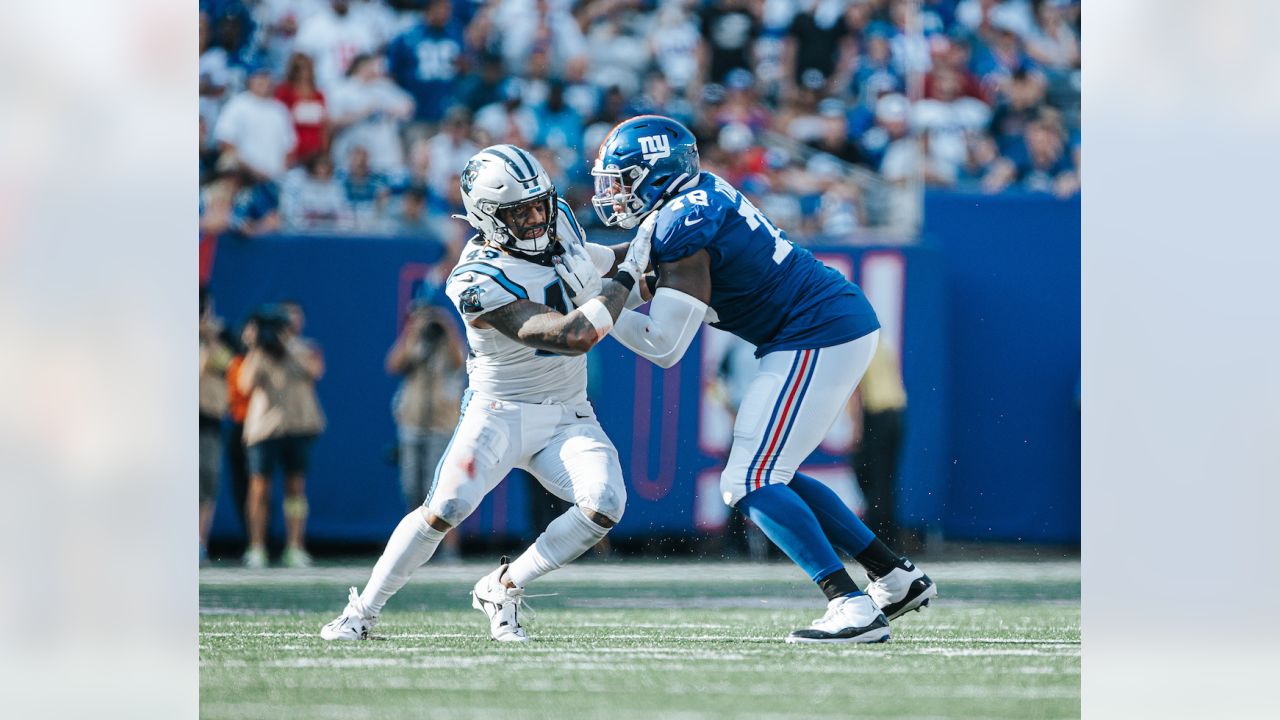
pixel 486 279
pixel 764 289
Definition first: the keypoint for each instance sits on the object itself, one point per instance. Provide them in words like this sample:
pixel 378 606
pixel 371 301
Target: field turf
pixel 630 639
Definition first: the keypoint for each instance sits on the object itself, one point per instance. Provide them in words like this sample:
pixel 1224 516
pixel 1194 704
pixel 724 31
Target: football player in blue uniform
pixel 719 260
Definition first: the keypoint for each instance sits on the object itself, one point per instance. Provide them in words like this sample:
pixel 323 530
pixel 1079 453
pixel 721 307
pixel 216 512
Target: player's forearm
pixel 580 330
pixel 664 335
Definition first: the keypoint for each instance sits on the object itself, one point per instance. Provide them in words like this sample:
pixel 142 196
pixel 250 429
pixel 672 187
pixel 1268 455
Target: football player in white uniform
pixel 526 406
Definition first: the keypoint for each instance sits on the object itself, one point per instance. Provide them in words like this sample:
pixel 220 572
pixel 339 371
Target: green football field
pixel 632 639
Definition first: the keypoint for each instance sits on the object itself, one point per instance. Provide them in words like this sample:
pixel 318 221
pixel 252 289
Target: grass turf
pixel 630 639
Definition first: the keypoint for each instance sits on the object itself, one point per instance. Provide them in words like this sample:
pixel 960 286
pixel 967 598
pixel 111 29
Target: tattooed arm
pixel 544 328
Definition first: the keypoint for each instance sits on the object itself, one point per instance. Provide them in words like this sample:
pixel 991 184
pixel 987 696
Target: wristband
pixel 598 315
pixel 625 279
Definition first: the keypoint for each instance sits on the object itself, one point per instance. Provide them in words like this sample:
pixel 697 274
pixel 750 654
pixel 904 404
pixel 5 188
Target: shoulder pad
pixel 479 287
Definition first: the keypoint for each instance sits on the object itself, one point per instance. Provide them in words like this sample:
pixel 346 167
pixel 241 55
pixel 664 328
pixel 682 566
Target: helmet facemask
pixel 616 201
pixel 527 224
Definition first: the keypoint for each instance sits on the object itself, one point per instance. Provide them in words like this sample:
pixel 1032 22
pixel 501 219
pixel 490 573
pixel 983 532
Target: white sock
pixel 412 544
pixel 567 537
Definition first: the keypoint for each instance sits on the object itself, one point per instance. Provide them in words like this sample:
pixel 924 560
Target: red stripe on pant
pixel 805 368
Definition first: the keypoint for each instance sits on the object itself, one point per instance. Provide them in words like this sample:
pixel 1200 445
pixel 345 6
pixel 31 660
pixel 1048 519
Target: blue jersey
pixel 424 61
pixel 764 289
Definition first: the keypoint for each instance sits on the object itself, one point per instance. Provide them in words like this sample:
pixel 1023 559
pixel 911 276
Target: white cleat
pixel 904 589
pixel 501 604
pixel 296 557
pixel 848 620
pixel 255 558
pixel 353 624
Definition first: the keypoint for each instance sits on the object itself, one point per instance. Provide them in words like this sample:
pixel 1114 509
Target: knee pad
pixel 296 507
pixel 451 511
pixel 735 484
pixel 610 500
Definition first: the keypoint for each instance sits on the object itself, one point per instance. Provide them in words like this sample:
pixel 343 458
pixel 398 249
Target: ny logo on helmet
pixel 655 147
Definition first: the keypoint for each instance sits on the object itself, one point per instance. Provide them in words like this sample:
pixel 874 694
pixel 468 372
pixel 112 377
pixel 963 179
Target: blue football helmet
pixel 642 163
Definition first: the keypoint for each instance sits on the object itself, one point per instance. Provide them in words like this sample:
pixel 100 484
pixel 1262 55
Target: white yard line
pixel 628 571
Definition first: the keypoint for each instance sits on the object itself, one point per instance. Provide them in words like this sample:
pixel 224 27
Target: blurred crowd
pixel 357 115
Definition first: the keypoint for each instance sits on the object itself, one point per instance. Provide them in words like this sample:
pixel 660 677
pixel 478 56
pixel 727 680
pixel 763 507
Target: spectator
pixel 740 103
pixel 674 42
pixel 1001 57
pixel 312 199
pixel 284 417
pixel 479 89
pixel 368 110
pixel 818 38
pixel 425 60
pixel 524 25
pixel 729 28
pixel 875 75
pixel 738 157
pixel 333 37
pixel 580 95
pixel 951 64
pixel 236 201
pixel 799 119
pixel 618 55
pixel 882 406
pixel 410 215
pixel 909 157
pixel 214 357
pixel 660 99
pixel 949 117
pixel 1020 100
pixel 366 191
pixel 508 121
pixel 536 85
pixel 255 128
pixel 215 74
pixel 449 151
pixel 1042 163
pixel 909 48
pixel 980 171
pixel 559 127
pixel 280 22
pixel 840 210
pixel 834 137
pixel 306 106
pixel 428 357
pixel 1051 42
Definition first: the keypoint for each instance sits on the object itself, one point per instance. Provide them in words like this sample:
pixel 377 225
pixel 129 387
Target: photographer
pixel 428 355
pixel 279 374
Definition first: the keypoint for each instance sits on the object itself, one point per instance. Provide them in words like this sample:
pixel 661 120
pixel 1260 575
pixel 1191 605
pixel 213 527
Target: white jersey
pixel 485 279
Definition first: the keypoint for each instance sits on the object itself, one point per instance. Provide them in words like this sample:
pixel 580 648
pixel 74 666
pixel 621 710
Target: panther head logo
pixel 469 300
pixel 469 175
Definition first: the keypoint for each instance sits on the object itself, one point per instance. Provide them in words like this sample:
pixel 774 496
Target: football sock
pixel 878 559
pixel 838 584
pixel 567 537
pixel 412 543
pixel 842 526
pixel 790 524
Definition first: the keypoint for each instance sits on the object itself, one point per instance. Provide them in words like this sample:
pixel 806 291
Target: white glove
pixel 637 258
pixel 579 273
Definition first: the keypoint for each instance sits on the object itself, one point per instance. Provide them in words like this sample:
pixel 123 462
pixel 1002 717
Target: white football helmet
pixel 509 199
